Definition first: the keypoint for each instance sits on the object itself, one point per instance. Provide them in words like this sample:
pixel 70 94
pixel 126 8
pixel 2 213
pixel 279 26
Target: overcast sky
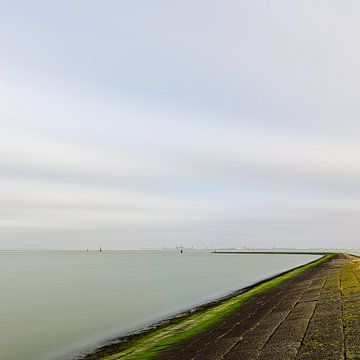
pixel 140 123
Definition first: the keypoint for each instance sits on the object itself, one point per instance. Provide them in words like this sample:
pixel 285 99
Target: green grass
pixel 148 346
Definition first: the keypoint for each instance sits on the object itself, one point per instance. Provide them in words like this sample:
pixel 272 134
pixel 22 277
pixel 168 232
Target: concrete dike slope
pixel 311 312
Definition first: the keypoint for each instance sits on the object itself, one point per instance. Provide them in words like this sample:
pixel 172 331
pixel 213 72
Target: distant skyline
pixel 137 124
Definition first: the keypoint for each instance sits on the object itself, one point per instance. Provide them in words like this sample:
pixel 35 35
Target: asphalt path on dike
pixel 313 316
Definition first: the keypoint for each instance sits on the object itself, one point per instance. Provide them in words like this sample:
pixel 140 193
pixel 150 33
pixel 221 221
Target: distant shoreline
pixel 273 252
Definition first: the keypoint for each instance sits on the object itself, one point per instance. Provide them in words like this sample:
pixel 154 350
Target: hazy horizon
pixel 187 249
pixel 212 124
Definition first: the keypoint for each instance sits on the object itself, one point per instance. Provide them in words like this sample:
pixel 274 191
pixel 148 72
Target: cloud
pixel 207 123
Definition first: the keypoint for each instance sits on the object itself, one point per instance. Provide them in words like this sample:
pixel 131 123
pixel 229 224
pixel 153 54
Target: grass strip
pixel 147 347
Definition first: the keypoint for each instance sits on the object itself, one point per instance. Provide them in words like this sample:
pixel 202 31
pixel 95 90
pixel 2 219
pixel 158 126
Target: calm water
pixel 55 304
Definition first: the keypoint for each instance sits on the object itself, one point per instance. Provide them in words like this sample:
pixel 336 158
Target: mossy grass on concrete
pixel 350 292
pixel 160 339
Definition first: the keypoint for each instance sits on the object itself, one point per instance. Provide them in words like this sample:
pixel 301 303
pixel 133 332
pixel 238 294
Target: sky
pixel 148 124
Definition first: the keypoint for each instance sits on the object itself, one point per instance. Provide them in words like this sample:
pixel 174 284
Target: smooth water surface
pixel 56 304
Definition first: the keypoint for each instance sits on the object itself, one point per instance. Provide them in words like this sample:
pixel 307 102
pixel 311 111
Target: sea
pixel 54 305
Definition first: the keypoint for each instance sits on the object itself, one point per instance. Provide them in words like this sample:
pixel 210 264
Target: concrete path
pixel 313 316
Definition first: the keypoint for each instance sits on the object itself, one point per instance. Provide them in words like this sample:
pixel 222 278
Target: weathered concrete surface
pixel 313 316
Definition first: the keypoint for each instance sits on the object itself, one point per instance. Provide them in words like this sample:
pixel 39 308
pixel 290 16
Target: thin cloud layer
pixel 211 124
